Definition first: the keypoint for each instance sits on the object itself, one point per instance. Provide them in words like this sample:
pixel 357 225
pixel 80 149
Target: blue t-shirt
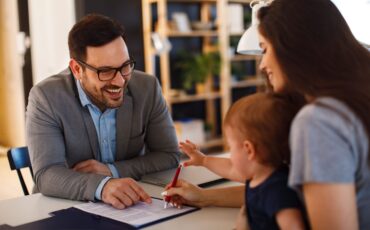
pixel 267 199
pixel 329 145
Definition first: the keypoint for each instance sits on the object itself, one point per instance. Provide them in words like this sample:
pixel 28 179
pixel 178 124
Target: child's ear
pixel 250 149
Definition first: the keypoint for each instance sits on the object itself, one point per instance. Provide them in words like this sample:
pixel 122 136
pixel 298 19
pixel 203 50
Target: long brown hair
pixel 265 119
pixel 318 53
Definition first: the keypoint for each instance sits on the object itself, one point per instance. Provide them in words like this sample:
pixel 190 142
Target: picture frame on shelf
pixel 181 21
pixel 160 44
pixel 236 22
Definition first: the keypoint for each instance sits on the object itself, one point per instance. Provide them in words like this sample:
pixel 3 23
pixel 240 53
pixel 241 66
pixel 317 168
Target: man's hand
pixel 92 166
pixel 123 192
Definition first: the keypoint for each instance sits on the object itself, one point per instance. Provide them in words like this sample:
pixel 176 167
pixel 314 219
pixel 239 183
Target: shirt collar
pixel 82 95
pixel 85 100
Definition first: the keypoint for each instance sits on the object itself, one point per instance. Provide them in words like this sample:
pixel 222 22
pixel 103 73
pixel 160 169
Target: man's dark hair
pixel 92 30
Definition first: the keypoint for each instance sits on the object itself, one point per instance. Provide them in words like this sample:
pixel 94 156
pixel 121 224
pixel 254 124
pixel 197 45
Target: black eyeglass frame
pixel 129 62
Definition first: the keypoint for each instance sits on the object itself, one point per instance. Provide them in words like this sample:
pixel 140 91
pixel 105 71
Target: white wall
pixel 50 22
pixel 357 15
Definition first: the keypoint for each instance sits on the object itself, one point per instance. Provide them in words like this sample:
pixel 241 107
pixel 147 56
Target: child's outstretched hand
pixel 191 150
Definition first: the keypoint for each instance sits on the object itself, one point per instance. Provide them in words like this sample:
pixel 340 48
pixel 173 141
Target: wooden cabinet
pixel 156 19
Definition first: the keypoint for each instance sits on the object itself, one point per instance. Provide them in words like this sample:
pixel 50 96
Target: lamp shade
pixel 249 42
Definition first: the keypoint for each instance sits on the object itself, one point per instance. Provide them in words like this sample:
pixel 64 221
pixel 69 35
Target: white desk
pixel 35 207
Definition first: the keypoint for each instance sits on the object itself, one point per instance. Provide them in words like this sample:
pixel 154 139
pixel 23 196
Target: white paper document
pixel 139 215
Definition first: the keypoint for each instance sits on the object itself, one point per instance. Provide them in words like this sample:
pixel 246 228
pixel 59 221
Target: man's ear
pixel 250 149
pixel 75 68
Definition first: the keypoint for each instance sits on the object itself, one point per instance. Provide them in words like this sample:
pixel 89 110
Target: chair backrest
pixel 18 159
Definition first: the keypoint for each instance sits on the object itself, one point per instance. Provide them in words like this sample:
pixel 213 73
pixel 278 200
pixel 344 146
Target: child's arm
pixel 290 218
pixel 218 165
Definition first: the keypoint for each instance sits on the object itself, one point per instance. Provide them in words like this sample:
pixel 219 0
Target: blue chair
pixel 18 159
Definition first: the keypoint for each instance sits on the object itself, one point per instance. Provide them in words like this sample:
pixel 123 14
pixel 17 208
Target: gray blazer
pixel 61 133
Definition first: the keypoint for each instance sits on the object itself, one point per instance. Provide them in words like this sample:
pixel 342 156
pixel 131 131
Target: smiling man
pixel 96 127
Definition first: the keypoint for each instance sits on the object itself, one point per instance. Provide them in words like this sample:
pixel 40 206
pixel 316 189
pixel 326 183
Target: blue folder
pixel 72 218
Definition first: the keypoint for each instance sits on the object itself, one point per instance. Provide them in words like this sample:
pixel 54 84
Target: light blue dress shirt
pixel 105 125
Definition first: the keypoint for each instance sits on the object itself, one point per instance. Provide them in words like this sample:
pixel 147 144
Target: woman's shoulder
pixel 326 105
pixel 328 111
pixel 323 132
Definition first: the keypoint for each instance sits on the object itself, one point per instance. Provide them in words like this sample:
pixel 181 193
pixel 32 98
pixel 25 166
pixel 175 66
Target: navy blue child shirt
pixel 264 201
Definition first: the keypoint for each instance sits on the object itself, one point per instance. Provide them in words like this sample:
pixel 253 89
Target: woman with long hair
pixel 309 47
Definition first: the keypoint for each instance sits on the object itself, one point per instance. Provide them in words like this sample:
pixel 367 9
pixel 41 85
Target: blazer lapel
pixel 89 124
pixel 123 126
pixel 91 132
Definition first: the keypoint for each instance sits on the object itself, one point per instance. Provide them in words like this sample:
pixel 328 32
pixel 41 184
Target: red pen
pixel 173 184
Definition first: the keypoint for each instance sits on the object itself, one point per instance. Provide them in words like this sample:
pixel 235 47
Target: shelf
pixel 248 82
pixel 240 1
pixel 199 33
pixel 238 34
pixel 212 143
pixel 214 105
pixel 193 33
pixel 196 97
pixel 209 1
pixel 192 1
pixel 238 57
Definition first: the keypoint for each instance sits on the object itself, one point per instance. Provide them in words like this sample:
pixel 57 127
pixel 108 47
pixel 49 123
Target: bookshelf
pixel 156 19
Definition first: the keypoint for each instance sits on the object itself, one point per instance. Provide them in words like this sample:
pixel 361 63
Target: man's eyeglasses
pixel 107 73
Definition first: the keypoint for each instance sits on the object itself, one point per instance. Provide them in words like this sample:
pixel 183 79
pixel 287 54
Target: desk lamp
pixel 249 43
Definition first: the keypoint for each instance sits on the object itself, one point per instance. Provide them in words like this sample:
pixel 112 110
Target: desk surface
pixel 34 207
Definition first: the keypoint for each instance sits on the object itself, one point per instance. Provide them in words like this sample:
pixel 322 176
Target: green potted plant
pixel 208 129
pixel 196 69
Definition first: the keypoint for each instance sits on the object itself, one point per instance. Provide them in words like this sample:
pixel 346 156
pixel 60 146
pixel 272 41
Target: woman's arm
pixel 331 206
pixel 187 193
pixel 290 219
pixel 241 220
pixel 225 197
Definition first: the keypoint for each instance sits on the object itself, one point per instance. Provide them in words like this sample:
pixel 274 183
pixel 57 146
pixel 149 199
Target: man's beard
pixel 99 98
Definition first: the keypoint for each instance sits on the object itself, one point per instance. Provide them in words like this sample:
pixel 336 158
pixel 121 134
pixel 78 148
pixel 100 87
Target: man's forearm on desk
pixel 100 188
pixel 115 174
pixel 148 163
pixel 113 170
pixel 58 181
